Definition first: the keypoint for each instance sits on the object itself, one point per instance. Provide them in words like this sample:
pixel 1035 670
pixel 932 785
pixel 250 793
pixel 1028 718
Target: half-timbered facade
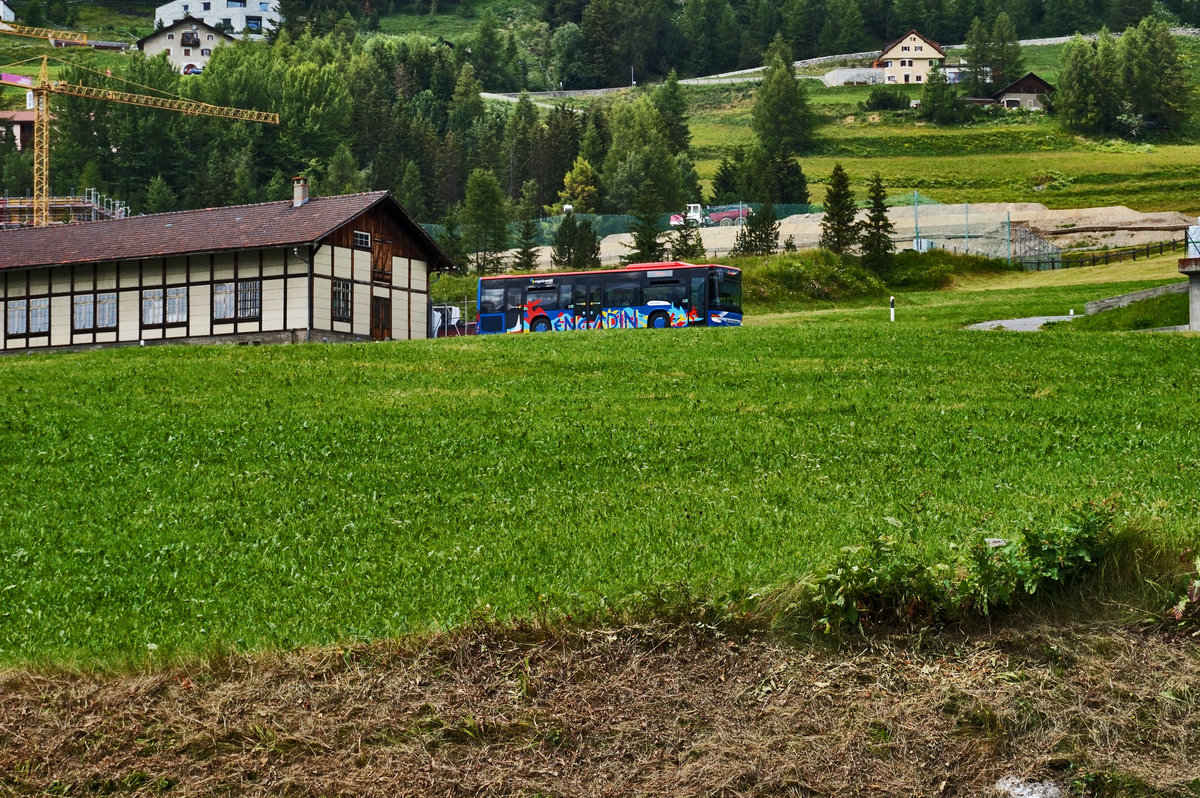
pixel 350 267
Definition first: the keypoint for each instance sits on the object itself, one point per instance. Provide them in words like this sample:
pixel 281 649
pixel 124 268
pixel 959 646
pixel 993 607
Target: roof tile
pixel 236 227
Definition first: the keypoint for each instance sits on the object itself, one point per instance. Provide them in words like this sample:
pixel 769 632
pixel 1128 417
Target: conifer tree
pixel 562 254
pixel 526 256
pixel 647 246
pixel 875 232
pixel 760 234
pixel 412 192
pixel 1007 62
pixel 781 117
pixel 939 101
pixel 587 247
pixel 838 230
pixel 672 107
pixel 686 243
pixel 159 196
pixel 977 75
pixel 484 220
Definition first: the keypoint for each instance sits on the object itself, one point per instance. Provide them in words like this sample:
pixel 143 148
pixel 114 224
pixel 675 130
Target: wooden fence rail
pixel 1112 256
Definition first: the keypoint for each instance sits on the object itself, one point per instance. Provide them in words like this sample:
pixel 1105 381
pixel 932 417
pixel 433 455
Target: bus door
pixel 587 304
pixel 514 307
pixel 697 302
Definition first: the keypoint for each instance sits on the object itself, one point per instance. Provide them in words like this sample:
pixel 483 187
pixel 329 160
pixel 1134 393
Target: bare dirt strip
pixel 658 709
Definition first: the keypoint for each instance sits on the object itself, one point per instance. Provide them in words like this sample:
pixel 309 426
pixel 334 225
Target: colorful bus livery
pixel 655 295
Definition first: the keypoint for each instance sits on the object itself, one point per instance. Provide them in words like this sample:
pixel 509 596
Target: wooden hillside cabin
pixel 1029 91
pixel 345 268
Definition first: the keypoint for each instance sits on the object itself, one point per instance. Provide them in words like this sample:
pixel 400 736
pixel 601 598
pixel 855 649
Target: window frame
pixel 357 237
pixel 11 313
pixel 336 302
pixel 248 300
pixel 93 301
pixel 237 298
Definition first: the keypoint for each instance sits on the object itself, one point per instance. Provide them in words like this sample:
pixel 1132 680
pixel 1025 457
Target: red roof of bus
pixel 671 264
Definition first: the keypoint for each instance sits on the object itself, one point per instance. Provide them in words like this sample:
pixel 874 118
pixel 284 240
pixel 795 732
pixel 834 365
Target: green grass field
pixel 196 498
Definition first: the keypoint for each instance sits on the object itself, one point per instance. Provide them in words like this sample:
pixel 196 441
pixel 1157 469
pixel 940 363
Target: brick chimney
pixel 299 191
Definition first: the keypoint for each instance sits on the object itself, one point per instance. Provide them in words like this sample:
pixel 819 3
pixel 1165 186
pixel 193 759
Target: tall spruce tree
pixel 686 244
pixel 647 245
pixel 587 247
pixel 484 221
pixel 760 234
pixel 839 233
pixel 781 117
pixel 875 232
pixel 977 75
pixel 672 107
pixel 562 252
pixel 526 256
pixel 939 100
pixel 1008 64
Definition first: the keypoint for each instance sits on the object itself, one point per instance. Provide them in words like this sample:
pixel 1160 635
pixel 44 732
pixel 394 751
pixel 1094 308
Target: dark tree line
pixel 380 112
pixel 611 42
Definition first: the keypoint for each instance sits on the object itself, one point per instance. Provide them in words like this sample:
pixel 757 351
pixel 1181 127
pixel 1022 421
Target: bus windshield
pixel 727 293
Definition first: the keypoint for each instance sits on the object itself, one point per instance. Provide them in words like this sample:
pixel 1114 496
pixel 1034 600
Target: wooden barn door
pixel 381 317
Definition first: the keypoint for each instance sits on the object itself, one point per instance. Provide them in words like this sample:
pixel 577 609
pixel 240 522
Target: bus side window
pixel 580 296
pixel 621 294
pixel 670 292
pixel 491 300
pixel 547 296
pixel 698 293
pixel 514 297
pixel 564 297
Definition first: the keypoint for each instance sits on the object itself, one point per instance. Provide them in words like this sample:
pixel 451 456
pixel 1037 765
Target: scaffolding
pixel 90 206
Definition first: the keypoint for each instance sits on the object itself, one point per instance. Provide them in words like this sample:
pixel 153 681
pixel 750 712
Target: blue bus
pixel 672 294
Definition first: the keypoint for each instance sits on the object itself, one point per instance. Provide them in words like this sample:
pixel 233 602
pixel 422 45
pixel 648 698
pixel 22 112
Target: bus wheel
pixel 658 321
pixel 540 324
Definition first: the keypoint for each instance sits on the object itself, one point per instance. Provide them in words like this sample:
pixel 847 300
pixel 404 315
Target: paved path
pixel 1031 324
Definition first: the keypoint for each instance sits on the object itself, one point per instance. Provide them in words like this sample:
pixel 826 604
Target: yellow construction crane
pixel 44 33
pixel 42 87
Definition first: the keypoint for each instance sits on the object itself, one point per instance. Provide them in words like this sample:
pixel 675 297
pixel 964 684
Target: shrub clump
pixel 886 581
pixel 935 269
pixel 883 98
pixel 810 275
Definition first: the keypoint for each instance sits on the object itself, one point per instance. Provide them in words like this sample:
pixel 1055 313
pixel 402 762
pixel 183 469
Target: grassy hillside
pixel 1004 157
pixel 194 498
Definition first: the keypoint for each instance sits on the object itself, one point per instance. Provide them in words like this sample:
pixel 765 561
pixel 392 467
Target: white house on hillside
pixel 250 18
pixel 188 44
pixel 909 58
pixel 6 13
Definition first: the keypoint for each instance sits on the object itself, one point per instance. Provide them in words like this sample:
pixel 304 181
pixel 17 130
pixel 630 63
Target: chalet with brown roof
pixel 349 267
pixel 909 58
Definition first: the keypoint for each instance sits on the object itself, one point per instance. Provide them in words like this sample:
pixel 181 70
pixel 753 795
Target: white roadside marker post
pixel 893 308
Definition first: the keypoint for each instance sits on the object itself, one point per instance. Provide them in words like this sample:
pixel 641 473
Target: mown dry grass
pixel 677 708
